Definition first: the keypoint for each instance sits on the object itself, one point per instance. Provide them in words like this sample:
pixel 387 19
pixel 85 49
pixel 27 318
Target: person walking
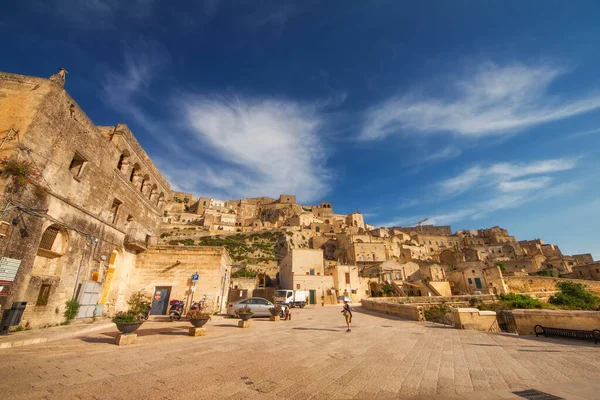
pixel 347 314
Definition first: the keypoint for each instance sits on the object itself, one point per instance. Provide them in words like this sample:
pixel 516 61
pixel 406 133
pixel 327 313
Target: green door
pixel 478 283
pixel 312 297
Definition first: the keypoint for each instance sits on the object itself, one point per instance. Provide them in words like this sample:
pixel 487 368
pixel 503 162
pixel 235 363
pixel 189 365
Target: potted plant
pixel 276 310
pixel 198 317
pixel 245 313
pixel 129 321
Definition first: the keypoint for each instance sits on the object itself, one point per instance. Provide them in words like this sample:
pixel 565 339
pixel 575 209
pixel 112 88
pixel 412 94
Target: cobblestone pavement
pixel 311 356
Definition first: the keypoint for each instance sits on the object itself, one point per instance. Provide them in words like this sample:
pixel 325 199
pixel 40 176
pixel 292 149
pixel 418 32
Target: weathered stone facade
pixel 96 205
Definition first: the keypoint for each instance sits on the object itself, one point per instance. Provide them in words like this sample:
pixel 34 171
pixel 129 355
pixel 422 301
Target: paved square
pixel 310 356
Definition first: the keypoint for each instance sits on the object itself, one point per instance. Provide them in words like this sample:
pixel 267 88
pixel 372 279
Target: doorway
pixel 160 300
pixel 312 298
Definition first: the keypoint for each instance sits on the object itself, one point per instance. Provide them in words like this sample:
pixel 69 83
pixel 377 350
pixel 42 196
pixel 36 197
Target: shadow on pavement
pixel 109 340
pixel 317 329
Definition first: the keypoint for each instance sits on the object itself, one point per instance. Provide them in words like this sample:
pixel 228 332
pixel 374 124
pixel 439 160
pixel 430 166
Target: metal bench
pixel 568 333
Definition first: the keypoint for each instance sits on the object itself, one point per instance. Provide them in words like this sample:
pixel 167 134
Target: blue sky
pixel 470 113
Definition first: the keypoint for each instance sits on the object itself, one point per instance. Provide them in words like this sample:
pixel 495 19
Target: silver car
pixel 258 305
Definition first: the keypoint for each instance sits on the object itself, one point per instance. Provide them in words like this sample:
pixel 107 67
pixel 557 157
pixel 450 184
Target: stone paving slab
pixel 38 336
pixel 310 357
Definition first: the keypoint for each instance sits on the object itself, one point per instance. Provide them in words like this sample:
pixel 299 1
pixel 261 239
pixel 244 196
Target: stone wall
pixel 406 311
pixel 474 319
pixel 525 284
pixel 527 319
pixel 84 169
pixel 173 266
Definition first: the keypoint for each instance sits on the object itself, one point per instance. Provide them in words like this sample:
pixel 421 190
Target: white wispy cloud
pixel 123 86
pixel 446 153
pixel 583 133
pixel 494 100
pixel 525 184
pixel 227 146
pixel 271 146
pixel 502 174
pixel 496 187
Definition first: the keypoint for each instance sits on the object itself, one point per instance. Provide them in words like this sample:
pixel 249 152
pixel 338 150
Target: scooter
pixel 176 309
pixel 146 313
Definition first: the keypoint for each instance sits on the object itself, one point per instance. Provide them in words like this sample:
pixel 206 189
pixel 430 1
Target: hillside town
pixel 87 215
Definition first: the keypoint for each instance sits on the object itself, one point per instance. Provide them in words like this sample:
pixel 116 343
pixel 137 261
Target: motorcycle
pixel 176 310
pixel 146 313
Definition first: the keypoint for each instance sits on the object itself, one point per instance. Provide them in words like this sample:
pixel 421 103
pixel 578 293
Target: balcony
pixel 137 240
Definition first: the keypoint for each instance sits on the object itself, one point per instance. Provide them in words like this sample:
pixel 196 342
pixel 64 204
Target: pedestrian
pixel 347 314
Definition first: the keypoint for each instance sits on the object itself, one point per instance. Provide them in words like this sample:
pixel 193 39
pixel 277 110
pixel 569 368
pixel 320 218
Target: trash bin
pixel 12 316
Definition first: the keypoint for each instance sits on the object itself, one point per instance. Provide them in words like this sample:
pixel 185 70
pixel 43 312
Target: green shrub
pixel 474 301
pixel 244 273
pixel 71 311
pixel 547 272
pixel 513 300
pixel 387 289
pixel 575 296
pixel 439 313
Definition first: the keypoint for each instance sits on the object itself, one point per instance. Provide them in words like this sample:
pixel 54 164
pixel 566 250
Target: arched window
pixel 153 193
pixel 135 172
pixel 123 161
pixel 144 183
pixel 54 242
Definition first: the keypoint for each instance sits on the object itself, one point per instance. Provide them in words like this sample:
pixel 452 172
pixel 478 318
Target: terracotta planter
pixel 199 322
pixel 245 316
pixel 128 327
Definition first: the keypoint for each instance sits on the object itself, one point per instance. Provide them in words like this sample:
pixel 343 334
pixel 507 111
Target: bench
pixel 568 333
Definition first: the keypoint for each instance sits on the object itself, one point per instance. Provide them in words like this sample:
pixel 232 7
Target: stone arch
pixel 54 241
pixel 123 161
pixel 135 172
pixel 160 200
pixel 144 185
pixel 153 193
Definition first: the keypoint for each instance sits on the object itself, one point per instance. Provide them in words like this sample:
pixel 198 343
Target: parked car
pixel 258 305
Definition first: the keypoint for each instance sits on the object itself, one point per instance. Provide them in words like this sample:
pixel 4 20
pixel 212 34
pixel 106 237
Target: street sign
pixel 195 277
pixel 9 268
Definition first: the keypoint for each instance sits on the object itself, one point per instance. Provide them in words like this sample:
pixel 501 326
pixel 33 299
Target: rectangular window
pixel 42 299
pixel 470 281
pixel 77 164
pixel 353 291
pixel 114 210
pixel 478 283
pixel 347 278
pixel 312 271
pixel 297 286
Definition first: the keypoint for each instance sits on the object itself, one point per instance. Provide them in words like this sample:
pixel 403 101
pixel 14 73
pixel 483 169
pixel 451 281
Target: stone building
pixel 587 271
pixel 97 203
pixel 166 272
pixel 303 269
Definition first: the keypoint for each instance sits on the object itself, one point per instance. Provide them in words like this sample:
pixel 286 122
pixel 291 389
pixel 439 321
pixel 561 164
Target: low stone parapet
pixel 408 311
pixel 475 319
pixel 526 320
